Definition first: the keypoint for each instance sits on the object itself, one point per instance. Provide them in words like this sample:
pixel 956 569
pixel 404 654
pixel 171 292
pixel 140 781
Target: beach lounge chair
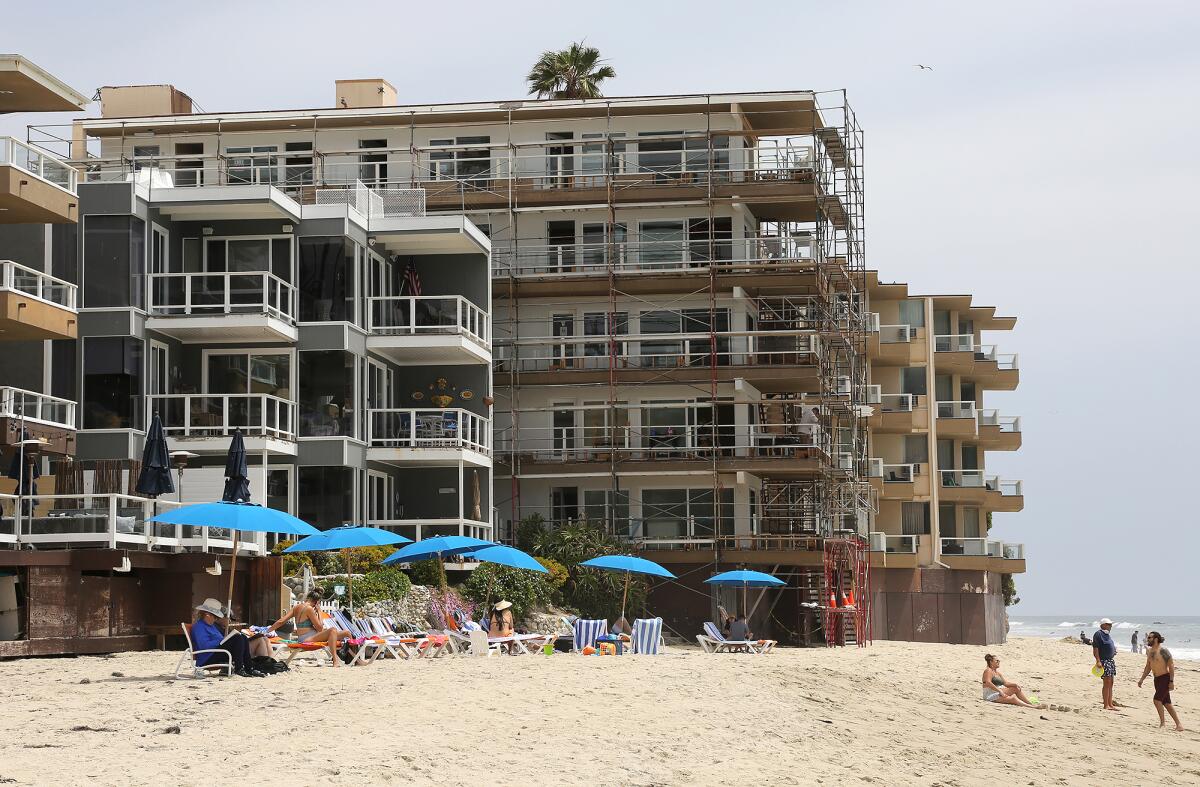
pixel 647 638
pixel 197 670
pixel 714 642
pixel 586 632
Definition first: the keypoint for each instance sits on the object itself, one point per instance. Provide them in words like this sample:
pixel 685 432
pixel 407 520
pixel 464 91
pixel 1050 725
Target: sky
pixel 1048 165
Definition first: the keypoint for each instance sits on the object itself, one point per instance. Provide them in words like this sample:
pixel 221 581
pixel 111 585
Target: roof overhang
pixel 447 234
pixel 213 203
pixel 26 87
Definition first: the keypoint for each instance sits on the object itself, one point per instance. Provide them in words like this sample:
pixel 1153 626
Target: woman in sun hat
pixel 206 636
pixel 500 621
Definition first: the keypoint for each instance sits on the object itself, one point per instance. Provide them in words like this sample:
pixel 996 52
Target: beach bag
pixel 269 665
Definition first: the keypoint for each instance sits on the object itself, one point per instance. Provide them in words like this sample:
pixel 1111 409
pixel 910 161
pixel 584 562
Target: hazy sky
pixel 1048 165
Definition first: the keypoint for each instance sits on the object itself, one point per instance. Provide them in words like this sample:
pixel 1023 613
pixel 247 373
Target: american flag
pixel 412 282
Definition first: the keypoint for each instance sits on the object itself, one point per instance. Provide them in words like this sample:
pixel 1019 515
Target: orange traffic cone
pixel 850 598
pixel 833 601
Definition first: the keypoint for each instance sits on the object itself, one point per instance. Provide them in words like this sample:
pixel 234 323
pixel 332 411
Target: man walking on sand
pixel 1105 651
pixel 1159 661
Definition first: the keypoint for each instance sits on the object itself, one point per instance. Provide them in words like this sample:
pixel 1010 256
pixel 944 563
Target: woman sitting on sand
pixel 309 627
pixel 997 689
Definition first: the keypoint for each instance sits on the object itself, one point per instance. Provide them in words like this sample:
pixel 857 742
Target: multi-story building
pixel 685 339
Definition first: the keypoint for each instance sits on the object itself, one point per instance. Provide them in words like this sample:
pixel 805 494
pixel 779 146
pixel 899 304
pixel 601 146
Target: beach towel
pixel 586 631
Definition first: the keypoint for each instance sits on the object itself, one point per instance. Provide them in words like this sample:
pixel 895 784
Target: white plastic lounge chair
pixel 586 632
pixel 647 637
pixel 480 644
pixel 197 670
pixel 714 642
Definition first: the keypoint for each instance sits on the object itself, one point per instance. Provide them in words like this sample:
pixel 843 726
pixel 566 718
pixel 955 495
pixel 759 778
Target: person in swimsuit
pixel 309 627
pixel 997 689
pixel 1159 661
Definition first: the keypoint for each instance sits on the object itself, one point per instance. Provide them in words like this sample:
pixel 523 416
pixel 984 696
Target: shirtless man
pixel 1159 661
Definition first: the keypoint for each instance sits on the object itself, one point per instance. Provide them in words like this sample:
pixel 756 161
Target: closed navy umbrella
pixel 155 478
pixel 237 473
pixel 26 477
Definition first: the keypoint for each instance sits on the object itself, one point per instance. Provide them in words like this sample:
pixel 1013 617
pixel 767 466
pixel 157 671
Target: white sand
pixel 894 713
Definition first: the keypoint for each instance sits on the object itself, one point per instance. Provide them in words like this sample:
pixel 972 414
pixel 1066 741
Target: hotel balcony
pixel 43 417
pixel 983 554
pixel 205 423
pixel 110 521
pixel 35 187
pixel 429 437
pixel 957 419
pixel 973 487
pixel 793 450
pixel 654 267
pixel 250 306
pixel 892 551
pixel 999 432
pixel 35 306
pixel 897 481
pixel 960 354
pixel 894 345
pixel 896 413
pixel 429 330
pixel 770 360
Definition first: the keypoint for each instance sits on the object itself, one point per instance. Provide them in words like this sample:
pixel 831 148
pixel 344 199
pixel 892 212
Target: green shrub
pixel 528 531
pixel 525 589
pixel 426 572
pixel 557 578
pixel 592 592
pixel 388 584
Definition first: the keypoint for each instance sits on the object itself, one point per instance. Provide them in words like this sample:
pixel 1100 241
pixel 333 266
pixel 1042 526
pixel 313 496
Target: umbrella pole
pixel 349 581
pixel 232 571
pixel 625 594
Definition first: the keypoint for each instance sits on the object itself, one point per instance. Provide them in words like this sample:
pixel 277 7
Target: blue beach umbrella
pixel 436 547
pixel 345 538
pixel 249 517
pixel 747 579
pixel 629 565
pixel 504 556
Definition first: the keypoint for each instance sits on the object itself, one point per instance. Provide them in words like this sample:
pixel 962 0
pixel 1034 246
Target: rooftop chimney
pixel 143 100
pixel 352 93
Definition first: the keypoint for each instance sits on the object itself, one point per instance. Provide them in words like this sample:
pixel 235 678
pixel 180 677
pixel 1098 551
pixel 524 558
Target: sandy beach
pixel 894 713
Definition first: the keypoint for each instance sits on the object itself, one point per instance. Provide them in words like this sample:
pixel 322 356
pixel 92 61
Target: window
pixel 325 279
pixel 114 261
pixel 564 504
pixel 660 156
pixel 372 167
pixel 604 426
pixel 595 153
pixel 686 513
pixel 916 449
pixel 948 520
pixel 298 170
pixel 112 382
pixel 563 325
pixel 912 313
pixel 145 156
pixel 710 240
pixel 971 527
pixel 598 324
pixel 251 164
pixel 381 497
pixel 160 371
pixel 459 163
pixel 663 243
pixel 945 454
pixel 564 428
pixel 189 172
pixel 249 254
pixel 326 495
pixel 941 322
pixel 914 519
pixel 327 393
pixel 912 380
pixel 607 507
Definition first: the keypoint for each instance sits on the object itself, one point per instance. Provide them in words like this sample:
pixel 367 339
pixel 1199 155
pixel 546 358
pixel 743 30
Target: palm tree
pixel 569 73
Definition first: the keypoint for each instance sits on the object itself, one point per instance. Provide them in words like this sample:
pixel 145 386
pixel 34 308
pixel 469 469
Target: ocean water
pixel 1182 634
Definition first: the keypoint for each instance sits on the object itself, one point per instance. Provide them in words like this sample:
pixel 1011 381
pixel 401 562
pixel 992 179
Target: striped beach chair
pixel 713 641
pixel 647 638
pixel 586 632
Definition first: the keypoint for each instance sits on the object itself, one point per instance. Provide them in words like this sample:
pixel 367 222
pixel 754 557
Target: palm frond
pixel 569 73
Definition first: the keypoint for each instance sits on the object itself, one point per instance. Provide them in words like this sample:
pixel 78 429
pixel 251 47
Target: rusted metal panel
pixel 54 646
pixel 51 602
pixel 900 618
pixel 92 599
pixel 129 600
pixel 973 616
pixel 950 618
pixel 925 621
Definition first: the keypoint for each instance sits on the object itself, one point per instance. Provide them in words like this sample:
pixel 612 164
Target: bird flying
pixel 922 67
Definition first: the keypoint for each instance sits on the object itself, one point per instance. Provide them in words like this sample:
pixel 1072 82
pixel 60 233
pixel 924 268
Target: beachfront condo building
pixel 683 341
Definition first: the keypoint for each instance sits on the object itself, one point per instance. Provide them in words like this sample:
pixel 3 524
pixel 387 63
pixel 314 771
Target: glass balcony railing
pixel 904 473
pixel 896 334
pixel 956 410
pixel 40 408
pixel 1005 423
pixel 39 163
pixel 885 542
pixel 954 343
pixel 35 284
pixel 896 403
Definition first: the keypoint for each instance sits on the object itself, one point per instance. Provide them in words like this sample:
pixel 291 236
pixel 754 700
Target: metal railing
pixel 976 547
pixel 35 284
pixel 1011 488
pixel 954 343
pixel 207 294
pixel 39 163
pixel 375 203
pixel 453 428
pixel 428 314
pixel 660 351
pixel 965 409
pixel 903 473
pixel 37 407
pixel 199 416
pixel 582 259
pixel 419 528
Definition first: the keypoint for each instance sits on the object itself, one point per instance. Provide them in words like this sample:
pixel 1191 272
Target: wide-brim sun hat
pixel 502 605
pixel 212 607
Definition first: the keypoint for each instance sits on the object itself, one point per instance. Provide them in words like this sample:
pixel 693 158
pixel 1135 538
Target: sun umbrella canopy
pixel 506 556
pixel 629 564
pixel 438 546
pixel 237 473
pixel 347 537
pixel 237 516
pixel 752 579
pixel 155 478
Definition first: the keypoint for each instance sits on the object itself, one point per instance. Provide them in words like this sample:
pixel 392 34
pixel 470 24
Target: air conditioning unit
pixel 875 467
pixel 843 386
pixel 871 394
pixel 878 542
